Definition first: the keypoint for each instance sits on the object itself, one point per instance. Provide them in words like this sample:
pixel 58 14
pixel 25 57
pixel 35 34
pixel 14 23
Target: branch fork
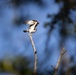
pixel 63 51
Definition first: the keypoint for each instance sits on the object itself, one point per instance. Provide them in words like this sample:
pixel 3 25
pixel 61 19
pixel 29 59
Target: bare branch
pixel 63 51
pixel 35 53
pixel 32 29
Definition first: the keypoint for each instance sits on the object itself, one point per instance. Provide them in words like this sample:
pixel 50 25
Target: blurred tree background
pixel 57 29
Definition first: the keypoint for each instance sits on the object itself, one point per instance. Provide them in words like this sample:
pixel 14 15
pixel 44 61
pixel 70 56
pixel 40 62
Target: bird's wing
pixel 30 25
pixel 36 25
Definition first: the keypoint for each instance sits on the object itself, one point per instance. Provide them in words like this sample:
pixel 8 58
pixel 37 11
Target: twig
pixel 63 51
pixel 35 53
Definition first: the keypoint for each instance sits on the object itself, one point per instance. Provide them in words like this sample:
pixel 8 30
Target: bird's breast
pixel 32 29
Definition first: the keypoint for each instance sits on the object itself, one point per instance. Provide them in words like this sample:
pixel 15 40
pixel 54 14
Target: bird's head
pixel 31 22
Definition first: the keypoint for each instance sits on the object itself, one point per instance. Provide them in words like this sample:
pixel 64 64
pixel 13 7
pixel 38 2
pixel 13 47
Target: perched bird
pixel 32 26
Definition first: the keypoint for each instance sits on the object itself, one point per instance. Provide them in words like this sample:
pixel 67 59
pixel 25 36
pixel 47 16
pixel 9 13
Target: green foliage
pixel 18 65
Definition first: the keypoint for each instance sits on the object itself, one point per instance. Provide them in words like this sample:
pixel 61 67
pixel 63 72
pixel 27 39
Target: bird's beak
pixel 37 22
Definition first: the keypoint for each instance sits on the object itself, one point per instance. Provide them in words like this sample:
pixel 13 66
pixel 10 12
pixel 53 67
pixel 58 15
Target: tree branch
pixel 35 53
pixel 32 29
pixel 63 51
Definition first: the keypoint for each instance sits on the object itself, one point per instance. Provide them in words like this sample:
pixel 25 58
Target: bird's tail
pixel 25 31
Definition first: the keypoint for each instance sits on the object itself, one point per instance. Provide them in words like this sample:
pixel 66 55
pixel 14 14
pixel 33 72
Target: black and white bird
pixel 32 26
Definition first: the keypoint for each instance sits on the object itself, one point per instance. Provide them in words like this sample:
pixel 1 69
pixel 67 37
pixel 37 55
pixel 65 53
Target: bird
pixel 32 26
